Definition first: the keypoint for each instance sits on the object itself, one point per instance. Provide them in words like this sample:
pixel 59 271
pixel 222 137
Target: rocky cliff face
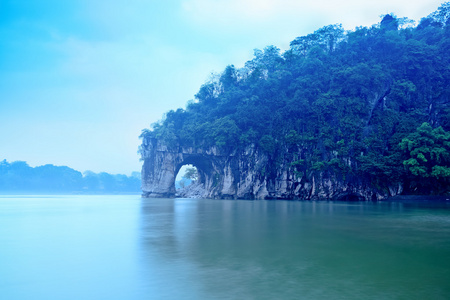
pixel 245 174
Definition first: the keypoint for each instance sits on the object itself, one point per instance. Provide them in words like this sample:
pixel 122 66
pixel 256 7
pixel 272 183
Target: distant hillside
pixel 19 177
pixel 371 104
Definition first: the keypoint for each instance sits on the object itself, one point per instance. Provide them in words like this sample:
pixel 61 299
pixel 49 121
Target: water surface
pixel 125 247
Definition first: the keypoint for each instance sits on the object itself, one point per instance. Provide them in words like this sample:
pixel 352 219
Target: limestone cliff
pixel 245 174
pixel 341 115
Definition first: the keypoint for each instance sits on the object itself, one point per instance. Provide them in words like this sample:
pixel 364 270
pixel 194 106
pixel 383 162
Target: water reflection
pixel 264 249
pixel 124 247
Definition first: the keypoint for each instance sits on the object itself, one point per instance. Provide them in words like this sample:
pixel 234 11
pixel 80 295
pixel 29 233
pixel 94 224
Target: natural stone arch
pixel 241 174
pixel 223 174
pixel 162 164
pixel 203 164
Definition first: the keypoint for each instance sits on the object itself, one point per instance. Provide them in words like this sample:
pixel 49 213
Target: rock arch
pixel 227 175
pixel 243 174
pixel 162 164
pixel 203 165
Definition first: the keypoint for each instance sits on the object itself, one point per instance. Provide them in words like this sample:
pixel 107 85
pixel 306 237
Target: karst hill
pixel 345 115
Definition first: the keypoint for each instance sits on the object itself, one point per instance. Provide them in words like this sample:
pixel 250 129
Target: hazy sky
pixel 79 80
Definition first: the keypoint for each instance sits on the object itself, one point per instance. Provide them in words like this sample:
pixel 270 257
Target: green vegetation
pixel 359 103
pixel 19 177
pixel 191 174
pixel 428 153
pixel 189 177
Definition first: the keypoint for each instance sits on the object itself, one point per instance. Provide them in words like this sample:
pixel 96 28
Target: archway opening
pixel 187 175
pixel 198 180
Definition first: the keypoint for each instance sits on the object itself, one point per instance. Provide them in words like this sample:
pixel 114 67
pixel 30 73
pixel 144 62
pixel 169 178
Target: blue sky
pixel 79 80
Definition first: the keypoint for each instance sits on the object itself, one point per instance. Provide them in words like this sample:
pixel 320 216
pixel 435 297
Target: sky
pixel 80 79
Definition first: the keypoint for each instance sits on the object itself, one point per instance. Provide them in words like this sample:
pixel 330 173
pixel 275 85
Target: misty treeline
pixel 371 102
pixel 19 177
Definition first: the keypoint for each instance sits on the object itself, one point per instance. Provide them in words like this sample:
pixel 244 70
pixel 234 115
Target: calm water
pixel 124 247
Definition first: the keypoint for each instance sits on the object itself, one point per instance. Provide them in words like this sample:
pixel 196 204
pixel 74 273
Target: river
pixel 125 247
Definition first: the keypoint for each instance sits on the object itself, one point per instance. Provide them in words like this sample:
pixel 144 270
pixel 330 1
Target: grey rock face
pixel 245 174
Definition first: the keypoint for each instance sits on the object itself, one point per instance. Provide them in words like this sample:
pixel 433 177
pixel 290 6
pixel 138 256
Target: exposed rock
pixel 194 190
pixel 244 174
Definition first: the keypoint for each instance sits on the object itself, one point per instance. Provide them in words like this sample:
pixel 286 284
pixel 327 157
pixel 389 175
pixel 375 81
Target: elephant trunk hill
pixel 344 115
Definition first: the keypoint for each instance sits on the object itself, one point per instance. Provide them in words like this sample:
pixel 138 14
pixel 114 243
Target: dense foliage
pixel 19 177
pixel 350 102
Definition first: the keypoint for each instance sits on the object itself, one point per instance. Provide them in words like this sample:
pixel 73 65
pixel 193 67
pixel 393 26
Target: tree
pixel 427 154
pixel 268 144
pixel 265 60
pixel 442 14
pixel 326 37
pixel 389 22
pixel 191 174
pixel 228 77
